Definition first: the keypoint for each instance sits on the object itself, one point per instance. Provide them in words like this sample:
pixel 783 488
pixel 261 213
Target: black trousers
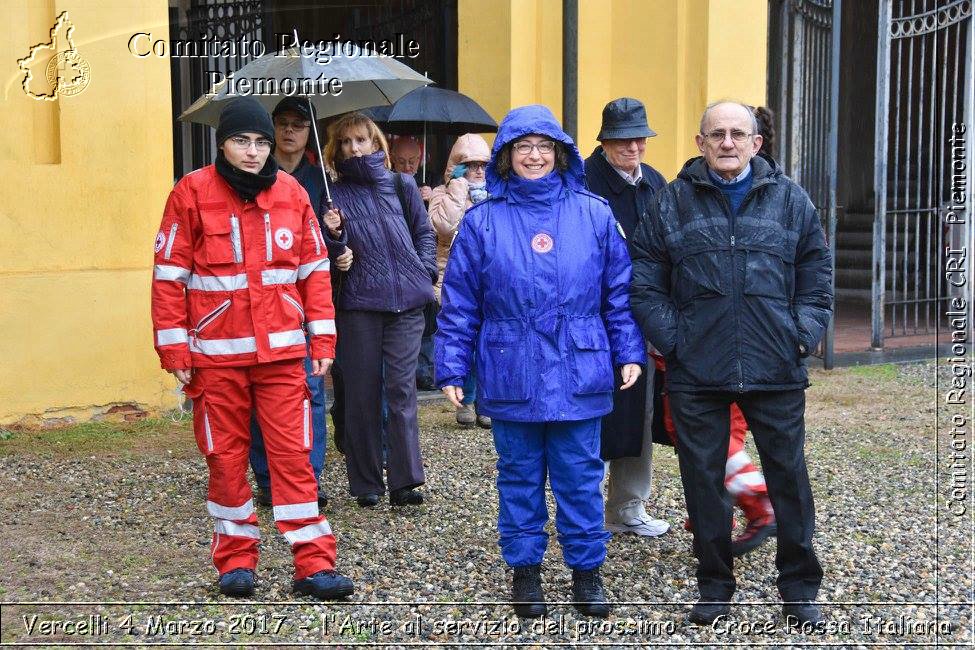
pixel 776 420
pixel 377 352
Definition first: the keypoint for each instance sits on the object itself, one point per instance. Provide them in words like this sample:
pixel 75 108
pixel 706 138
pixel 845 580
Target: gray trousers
pixel 629 478
pixel 378 355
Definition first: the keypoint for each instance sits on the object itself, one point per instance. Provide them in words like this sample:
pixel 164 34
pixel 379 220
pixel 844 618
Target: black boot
pixel 588 594
pixel 526 591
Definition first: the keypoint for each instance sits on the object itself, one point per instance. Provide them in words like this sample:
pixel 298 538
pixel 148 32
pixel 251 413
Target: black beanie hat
pixel 244 115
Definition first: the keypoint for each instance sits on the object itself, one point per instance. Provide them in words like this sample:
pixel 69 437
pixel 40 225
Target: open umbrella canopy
pixel 436 110
pixel 351 80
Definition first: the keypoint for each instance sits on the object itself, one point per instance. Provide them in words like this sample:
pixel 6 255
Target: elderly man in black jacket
pixel 615 172
pixel 732 284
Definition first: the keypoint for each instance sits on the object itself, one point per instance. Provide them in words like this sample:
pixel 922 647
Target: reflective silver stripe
pixel 745 482
pixel 226 512
pixel 307 269
pixel 735 463
pixel 222 526
pixel 308 533
pixel 279 276
pixel 171 336
pixel 294 303
pixel 206 430
pixel 235 238
pixel 173 273
pixel 321 326
pixel 211 347
pixel 296 511
pixel 172 238
pixel 285 339
pixel 218 282
pixel 314 235
pixel 304 423
pixel 267 234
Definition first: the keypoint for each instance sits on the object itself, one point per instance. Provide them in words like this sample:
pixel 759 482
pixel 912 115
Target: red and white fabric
pixel 236 286
pixel 232 281
pixel 222 400
pixel 743 480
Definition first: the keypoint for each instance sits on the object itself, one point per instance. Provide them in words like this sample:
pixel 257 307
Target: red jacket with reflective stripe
pixel 238 283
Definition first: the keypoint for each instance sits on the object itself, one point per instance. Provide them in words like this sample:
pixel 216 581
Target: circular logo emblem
pixel 284 238
pixel 160 241
pixel 68 73
pixel 542 243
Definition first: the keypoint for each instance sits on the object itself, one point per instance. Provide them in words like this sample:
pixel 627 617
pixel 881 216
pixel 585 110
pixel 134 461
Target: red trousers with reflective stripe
pixel 744 482
pixel 222 399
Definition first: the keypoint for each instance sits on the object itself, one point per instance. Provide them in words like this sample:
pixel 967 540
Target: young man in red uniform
pixel 241 273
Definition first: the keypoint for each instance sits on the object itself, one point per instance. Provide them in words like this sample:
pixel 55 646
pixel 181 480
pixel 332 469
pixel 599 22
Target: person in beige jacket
pixel 464 185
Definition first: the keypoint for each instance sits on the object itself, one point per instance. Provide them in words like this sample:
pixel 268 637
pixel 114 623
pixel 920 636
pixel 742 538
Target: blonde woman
pixel 381 218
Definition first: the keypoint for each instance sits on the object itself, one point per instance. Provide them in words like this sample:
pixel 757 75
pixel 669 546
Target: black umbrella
pixel 437 110
pixel 433 110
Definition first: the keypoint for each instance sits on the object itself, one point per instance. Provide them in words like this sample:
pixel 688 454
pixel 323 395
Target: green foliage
pixel 882 372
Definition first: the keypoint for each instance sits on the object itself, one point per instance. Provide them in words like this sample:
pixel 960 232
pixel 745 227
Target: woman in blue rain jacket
pixel 536 288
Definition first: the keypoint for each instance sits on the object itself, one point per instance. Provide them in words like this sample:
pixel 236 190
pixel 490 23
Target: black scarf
pixel 246 184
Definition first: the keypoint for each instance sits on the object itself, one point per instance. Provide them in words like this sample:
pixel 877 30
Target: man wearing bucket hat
pixel 241 274
pixel 615 172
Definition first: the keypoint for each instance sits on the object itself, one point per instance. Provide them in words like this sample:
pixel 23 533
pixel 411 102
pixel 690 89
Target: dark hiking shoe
pixel 526 591
pixel 367 500
pixel 802 613
pixel 405 497
pixel 324 585
pixel 588 594
pixel 322 498
pixel 263 496
pixel 704 612
pixel 237 583
pixel 755 534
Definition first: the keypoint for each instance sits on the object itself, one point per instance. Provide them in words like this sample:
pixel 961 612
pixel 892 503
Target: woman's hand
pixel 333 221
pixel 426 193
pixel 320 366
pixel 454 393
pixel 630 372
pixel 344 261
pixel 184 375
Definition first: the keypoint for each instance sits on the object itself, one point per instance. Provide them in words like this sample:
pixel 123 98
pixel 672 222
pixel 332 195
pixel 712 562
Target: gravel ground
pixel 120 518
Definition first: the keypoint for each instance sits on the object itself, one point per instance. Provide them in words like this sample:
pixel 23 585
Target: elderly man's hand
pixel 425 192
pixel 630 372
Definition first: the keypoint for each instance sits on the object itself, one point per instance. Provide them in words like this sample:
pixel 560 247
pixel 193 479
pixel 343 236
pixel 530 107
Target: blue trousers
pixel 568 453
pixel 258 457
pixel 470 388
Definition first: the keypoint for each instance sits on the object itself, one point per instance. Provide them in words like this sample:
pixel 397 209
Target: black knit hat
pixel 244 115
pixel 297 105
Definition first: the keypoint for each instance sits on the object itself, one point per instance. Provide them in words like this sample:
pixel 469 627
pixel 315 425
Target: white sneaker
pixel 645 526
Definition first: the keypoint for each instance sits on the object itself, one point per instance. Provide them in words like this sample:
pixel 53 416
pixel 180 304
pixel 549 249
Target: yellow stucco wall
pixel 675 56
pixel 86 180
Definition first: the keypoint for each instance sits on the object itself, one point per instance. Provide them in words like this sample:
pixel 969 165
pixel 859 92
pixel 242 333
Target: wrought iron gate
pixel 923 79
pixel 803 93
pixel 193 21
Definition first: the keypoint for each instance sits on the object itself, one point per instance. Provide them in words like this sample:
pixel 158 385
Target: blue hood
pixel 527 120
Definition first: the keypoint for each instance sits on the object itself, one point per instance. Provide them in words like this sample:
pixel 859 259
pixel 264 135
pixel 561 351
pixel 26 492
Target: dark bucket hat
pixel 624 118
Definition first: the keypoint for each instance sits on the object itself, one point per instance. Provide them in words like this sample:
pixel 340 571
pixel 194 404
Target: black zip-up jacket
pixel 732 301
